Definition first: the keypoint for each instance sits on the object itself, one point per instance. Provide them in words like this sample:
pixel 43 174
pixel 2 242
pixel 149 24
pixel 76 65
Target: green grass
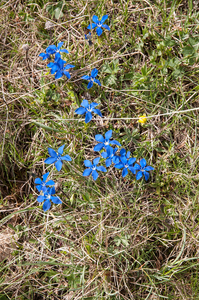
pixel 116 238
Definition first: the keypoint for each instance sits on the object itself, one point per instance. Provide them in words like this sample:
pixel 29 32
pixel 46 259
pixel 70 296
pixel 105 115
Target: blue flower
pixel 46 197
pixel 42 184
pixel 110 156
pixel 123 153
pixel 92 168
pixel 58 67
pixel 57 158
pixel 142 169
pixel 87 109
pixel 88 37
pixel 126 164
pixel 105 142
pixel 52 49
pixel 99 24
pixel 92 78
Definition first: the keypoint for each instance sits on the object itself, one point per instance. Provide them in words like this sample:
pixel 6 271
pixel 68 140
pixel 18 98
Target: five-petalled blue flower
pixel 46 197
pixel 93 168
pixel 126 164
pixel 59 68
pixel 99 24
pixel 110 156
pixel 92 78
pixel 142 169
pixel 42 184
pixel 57 158
pixel 105 142
pixel 52 49
pixel 87 109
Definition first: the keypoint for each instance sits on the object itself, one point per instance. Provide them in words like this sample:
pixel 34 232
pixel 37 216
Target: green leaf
pixel 110 80
pixel 58 13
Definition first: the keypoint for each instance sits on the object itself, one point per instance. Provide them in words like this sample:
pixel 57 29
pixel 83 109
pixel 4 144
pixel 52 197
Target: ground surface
pixel 113 238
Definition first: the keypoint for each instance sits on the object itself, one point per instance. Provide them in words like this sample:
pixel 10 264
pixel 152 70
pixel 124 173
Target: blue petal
pixel 108 162
pixel 66 157
pixel 132 169
pixel 115 159
pixel 68 67
pixel 50 65
pixel 46 205
pixel 96 161
pixel 108 135
pixel 131 160
pixel 123 159
pixel 64 50
pixel 95 175
pixel 124 172
pixel 85 103
pixel 51 49
pixel 67 74
pixel 45 176
pixel 101 168
pixel 51 190
pixel 50 160
pixel 90 84
pixel 109 150
pixel 38 181
pixel 57 56
pixel 104 18
pixel 143 163
pixel 93 26
pixel 86 77
pixel 128 154
pixel 146 175
pixel 39 187
pixel 50 182
pixel 94 72
pixel 56 200
pixel 99 31
pixel 60 45
pixel 61 149
pixel 54 69
pixel 87 172
pixel 88 117
pixel 148 168
pixel 95 19
pixel 40 199
pixel 122 152
pixel 139 175
pixel 93 104
pixel 88 163
pixel 97 81
pixel 58 165
pixel 52 152
pixel 114 142
pixel 119 166
pixel 80 111
pixel 104 154
pixel 137 167
pixel 98 147
pixel 106 26
pixel 99 138
pixel 58 75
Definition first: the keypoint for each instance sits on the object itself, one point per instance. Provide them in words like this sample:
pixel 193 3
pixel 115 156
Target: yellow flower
pixel 142 119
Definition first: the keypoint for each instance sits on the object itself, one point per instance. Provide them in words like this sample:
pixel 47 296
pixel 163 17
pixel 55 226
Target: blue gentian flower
pixel 99 24
pixel 105 142
pixel 58 67
pixel 42 184
pixel 142 169
pixel 57 158
pixel 92 168
pixel 92 78
pixel 126 164
pixel 52 49
pixel 46 197
pixel 110 156
pixel 87 109
pixel 123 153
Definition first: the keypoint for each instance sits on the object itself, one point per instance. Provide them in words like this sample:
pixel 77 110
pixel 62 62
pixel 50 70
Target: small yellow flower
pixel 142 119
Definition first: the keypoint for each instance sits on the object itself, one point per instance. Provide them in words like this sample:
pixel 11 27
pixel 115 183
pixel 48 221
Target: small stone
pixel 49 25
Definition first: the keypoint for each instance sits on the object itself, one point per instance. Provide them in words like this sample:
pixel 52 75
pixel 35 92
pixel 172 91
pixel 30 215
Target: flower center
pixel 126 166
pixel 93 168
pixel 106 143
pixel 48 197
pixel 58 157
